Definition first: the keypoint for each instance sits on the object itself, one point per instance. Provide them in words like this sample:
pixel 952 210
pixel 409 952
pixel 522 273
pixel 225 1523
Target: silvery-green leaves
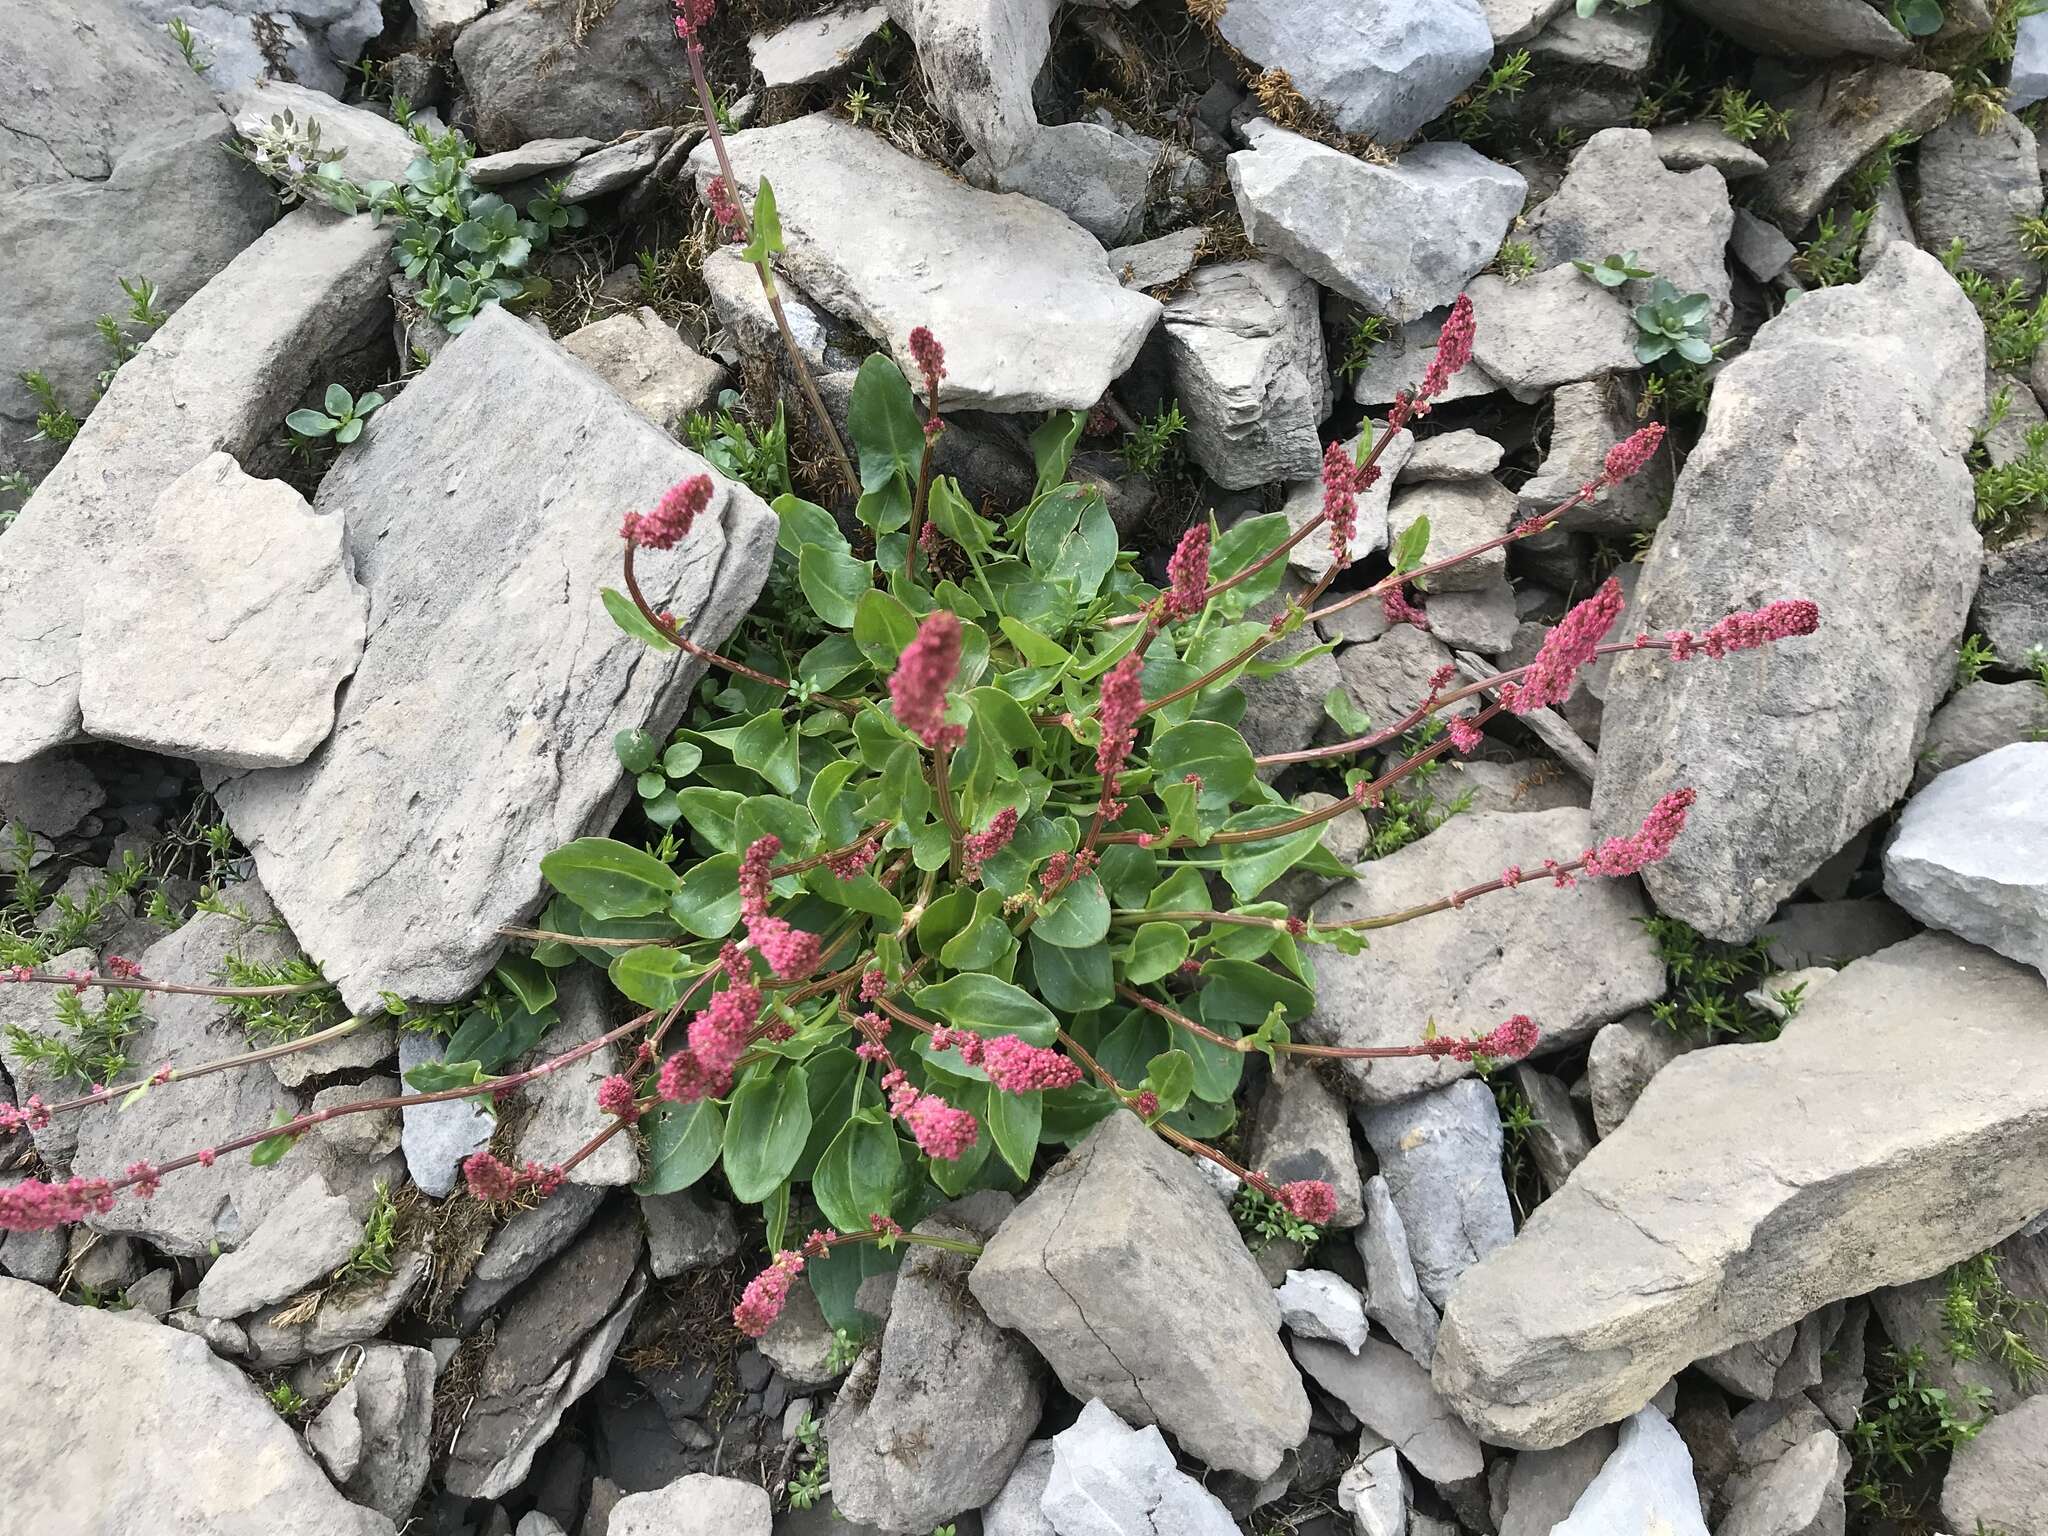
pixel 1670 321
pixel 1613 269
pixel 342 419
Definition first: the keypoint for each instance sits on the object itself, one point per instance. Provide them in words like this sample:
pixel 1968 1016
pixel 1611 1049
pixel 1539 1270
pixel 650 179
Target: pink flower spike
pixel 763 1299
pixel 36 1206
pixel 1466 738
pixel 1122 704
pixel 127 970
pixel 790 952
pixel 754 877
pixel 669 523
pixel 1567 648
pixel 1398 610
pixel 1188 574
pixel 1785 619
pixel 1017 1066
pixel 925 670
pixel 692 16
pixel 930 358
pixel 1632 453
pixel 489 1180
pixel 1309 1200
pixel 148 1178
pixel 615 1097
pixel 1453 352
pixel 1620 856
pixel 978 847
pixel 1341 485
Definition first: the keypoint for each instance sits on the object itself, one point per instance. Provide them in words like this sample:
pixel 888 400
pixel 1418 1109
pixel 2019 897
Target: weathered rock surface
pixel 1585 421
pixel 1837 120
pixel 1620 196
pixel 1688 146
pixel 1624 1057
pixel 1971 853
pixel 1392 1397
pixel 816 46
pixel 1402 239
pixel 1998 1481
pixel 1821 29
pixel 527 1240
pixel 565 1113
pixel 198 1448
pixel 1244 345
pixel 1095 176
pixel 931 1423
pixel 223 636
pixel 1470 970
pixel 1722 1209
pixel 1015 1511
pixel 981 57
pixel 2012 601
pixel 377 149
pixel 438 1136
pixel 1381 68
pixel 1109 1479
pixel 1394 1296
pixel 1778 500
pixel 352 1314
pixel 1557 1141
pixel 685 1230
pixel 1557 327
pixel 1389 677
pixel 1299 1131
pixel 1440 1156
pixel 1645 1485
pixel 51 794
pixel 218 376
pixel 386 1411
pixel 1750 1368
pixel 535 158
pixel 518 546
pixel 696 1505
pixel 1374 1492
pixel 1127 1274
pixel 1462 514
pixel 1054 334
pixel 307 1235
pixel 1316 1304
pixel 1399 362
pixel 1976 185
pixel 548 70
pixel 1799 1494
pixel 1543 1486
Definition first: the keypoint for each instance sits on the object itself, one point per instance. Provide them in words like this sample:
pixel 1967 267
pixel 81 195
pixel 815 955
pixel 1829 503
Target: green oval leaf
pixel 1077 917
pixel 765 1130
pixel 1214 753
pixel 858 1174
pixel 683 1141
pixel 610 879
pixel 986 1005
pixel 1013 1119
pixel 1157 950
pixel 653 976
pixel 833 583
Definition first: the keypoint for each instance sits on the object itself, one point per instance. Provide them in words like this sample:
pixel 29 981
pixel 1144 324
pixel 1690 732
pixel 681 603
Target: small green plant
pixel 1665 99
pixel 1473 115
pixel 1904 1423
pixel 16 486
pixel 342 420
pixel 1147 446
pixel 1975 655
pixel 143 313
pixel 289 152
pixel 188 45
pixel 1982 1319
pixel 1263 1220
pixel 54 423
pixel 1747 120
pixel 87 1044
pixel 2015 321
pixel 1835 253
pixel 1672 322
pixel 1515 260
pixel 374 1253
pixel 286 1399
pixel 267 1020
pixel 1680 389
pixel 807 1484
pixel 1613 269
pixel 1709 983
pixel 1368 333
pixel 1517 1166
pixel 757 458
pixel 846 1347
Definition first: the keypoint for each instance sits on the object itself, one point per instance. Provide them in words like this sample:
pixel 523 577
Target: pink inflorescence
pixel 976 848
pixel 1510 1041
pixel 615 1097
pixel 925 670
pixel 1123 703
pixel 1632 454
pixel 1014 1065
pixel 1453 352
pixel 1651 843
pixel 930 358
pixel 789 951
pixel 1785 619
pixel 1342 483
pixel 725 208
pixel 36 1206
pixel 1145 1102
pixel 1309 1200
pixel 17 973
pixel 941 1130
pixel 669 523
pixel 1570 644
pixel 1466 738
pixel 1187 574
pixel 1398 610
pixel 126 970
pixel 32 1116
pixel 146 1177
pixel 762 1301
pixel 1062 868
pixel 852 863
pixel 493 1182
pixel 692 16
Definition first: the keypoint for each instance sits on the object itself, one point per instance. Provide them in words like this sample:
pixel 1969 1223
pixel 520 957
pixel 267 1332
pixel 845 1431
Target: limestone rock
pixel 1299 1131
pixel 565 1113
pixel 1516 21
pixel 1461 513
pixel 527 1240
pixel 370 1134
pixel 931 1423
pixel 1688 146
pixel 547 70
pixel 1381 68
pixel 1971 853
pixel 1095 176
pixel 1625 1056
pixel 1613 40
pixel 1976 186
pixel 451 680
pixel 1440 1155
pixel 1109 1479
pixel 1799 1494
pixel 2012 601
pixel 1053 335
pixel 1585 421
pixel 1015 1511
pixel 1620 196
pixel 1245 349
pixel 613 167
pixel 1392 1397
pixel 224 637
pixel 1557 1141
pixel 814 47
pixel 1821 29
pixel 1402 239
pixel 1838 119
pixel 980 58
pixel 1127 1274
pixel 199 1449
pixel 1999 1480
pixel 438 1136
pixel 696 1505
pixel 1154 263
pixel 1394 1296
pixel 1645 1485
pixel 1766 508
pixel 51 795
pixel 686 1230
pixel 1676 1237
pixel 536 158
pixel 1399 362
pixel 1315 1304
pixel 1374 1492
pixel 387 1409
pixel 1750 1368
pixel 1389 677
pixel 1283 712
pixel 284 1335
pixel 1461 456
pixel 1470 970
pixel 1557 327
pixel 219 375
pixel 1544 1485
pixel 307 1235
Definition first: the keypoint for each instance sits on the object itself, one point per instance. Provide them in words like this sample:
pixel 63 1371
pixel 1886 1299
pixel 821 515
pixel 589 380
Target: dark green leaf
pixel 1052 448
pixel 609 879
pixel 1171 1075
pixel 653 976
pixel 497 1042
pixel 683 1141
pixel 1013 1119
pixel 888 429
pixel 767 237
pixel 1072 980
pixel 440 1076
pixel 1078 916
pixel 1214 753
pixel 765 1131
pixel 1410 545
pixel 986 1005
pixel 882 627
pixel 1157 950
pixel 708 905
pixel 527 981
pixel 633 621
pixel 858 1174
pixel 833 583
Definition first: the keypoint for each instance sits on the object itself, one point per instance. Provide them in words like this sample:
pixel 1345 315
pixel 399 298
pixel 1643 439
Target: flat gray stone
pixel 552 71
pixel 1800 1494
pixel 1374 1492
pixel 1978 718
pixel 1838 120
pixel 685 1231
pixel 696 1505
pixel 1470 970
pixel 1646 1484
pixel 1015 1511
pixel 1095 176
pixel 1999 1479
pixel 1762 250
pixel 1460 455
pixel 565 1115
pixel 370 1044
pixel 615 166
pixel 1299 1130
pixel 1399 362
pixel 225 635
pixel 1557 1141
pixel 1544 1485
pixel 1672 1240
pixel 1750 1368
pixel 1462 514
pixel 1481 620
pixel 438 1136
pixel 528 1239
pixel 1244 344
pixel 980 58
pixel 1624 1056
pixel 1516 21
pixel 1392 1397
pixel 371 1133
pixel 1053 335
pixel 1109 1479
pixel 1440 1155
pixel 218 376
pixel 307 1236
pixel 1316 1304
pixel 813 47
pixel 345 1315
pixel 246 1475
pixel 1970 853
pixel 386 1411
pixel 1394 1296
pixel 1614 39
pixel 1821 29
pixel 1688 146
pixel 1154 263
pixel 1557 327
pixel 51 795
pixel 1382 69
pixel 1388 677
pixel 1401 239
pixel 1895 357
pixel 529 160
pixel 1127 1274
pixel 452 672
pixel 1976 185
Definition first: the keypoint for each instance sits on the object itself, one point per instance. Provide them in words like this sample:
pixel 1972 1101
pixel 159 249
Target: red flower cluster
pixel 1782 620
pixel 615 1097
pixel 976 848
pixel 853 862
pixel 1510 1041
pixel 1453 352
pixel 1187 574
pixel 941 1130
pixel 1620 856
pixel 494 1182
pixel 1632 454
pixel 1123 702
pixel 790 952
pixel 725 206
pixel 930 358
pixel 126 970
pixel 32 1116
pixel 1398 610
pixel 1063 867
pixel 1309 1200
pixel 36 1206
pixel 1013 1064
pixel 1343 483
pixel 669 523
pixel 765 1294
pixel 691 17
pixel 1566 649
pixel 1466 738
pixel 925 670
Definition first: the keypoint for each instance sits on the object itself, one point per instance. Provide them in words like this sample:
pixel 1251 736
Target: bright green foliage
pixel 1515 260
pixel 342 420
pixel 1975 655
pixel 1746 120
pixel 1263 1219
pixel 1708 982
pixel 2015 322
pixel 373 1256
pixel 807 1483
pixel 2012 495
pixel 1613 269
pixel 286 1399
pixel 1147 445
pixel 1982 1319
pixel 756 457
pixel 289 1017
pixel 1367 333
pixel 54 423
pixel 1505 81
pixel 1835 253
pixel 1672 322
pixel 1905 1423
pixel 805 1130
pixel 188 45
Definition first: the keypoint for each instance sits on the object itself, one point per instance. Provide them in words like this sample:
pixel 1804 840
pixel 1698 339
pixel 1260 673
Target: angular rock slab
pixel 224 637
pixel 1571 959
pixel 1999 1480
pixel 549 70
pixel 696 1505
pixel 482 512
pixel 1051 335
pixel 980 58
pixel 217 377
pixel 1971 853
pixel 189 1442
pixel 1646 1484
pixel 1109 1479
pixel 1837 120
pixel 1392 1397
pixel 1401 239
pixel 1869 1144
pixel 1796 747
pixel 1127 1274
pixel 1439 1156
pixel 812 48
